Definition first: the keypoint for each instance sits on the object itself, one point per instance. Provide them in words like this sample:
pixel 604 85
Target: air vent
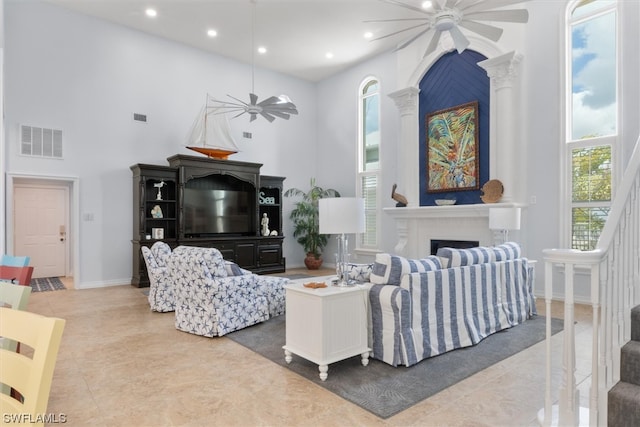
pixel 140 117
pixel 247 135
pixel 40 142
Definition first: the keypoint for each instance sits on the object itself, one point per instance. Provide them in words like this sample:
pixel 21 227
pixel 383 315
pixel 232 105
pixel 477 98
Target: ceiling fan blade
pixel 254 98
pixel 239 100
pixel 378 21
pixel 450 3
pixel 269 101
pixel 279 114
pixel 253 116
pixel 289 109
pixel 488 31
pixel 433 43
pixel 411 40
pixel 460 41
pixel 515 15
pixel 488 5
pixel 406 6
pixel 401 31
pixel 268 116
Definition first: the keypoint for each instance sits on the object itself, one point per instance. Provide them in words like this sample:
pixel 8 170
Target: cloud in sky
pixel 594 77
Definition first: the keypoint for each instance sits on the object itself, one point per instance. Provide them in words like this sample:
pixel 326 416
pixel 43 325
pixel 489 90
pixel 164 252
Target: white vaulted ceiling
pixel 297 33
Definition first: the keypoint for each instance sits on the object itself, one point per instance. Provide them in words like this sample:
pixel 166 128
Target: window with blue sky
pixel 592 121
pixel 369 159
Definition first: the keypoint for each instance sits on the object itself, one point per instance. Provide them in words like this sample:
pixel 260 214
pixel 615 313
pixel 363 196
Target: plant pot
pixel 312 262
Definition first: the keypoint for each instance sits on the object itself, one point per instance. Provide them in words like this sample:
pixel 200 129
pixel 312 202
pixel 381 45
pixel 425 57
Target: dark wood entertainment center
pixel 188 180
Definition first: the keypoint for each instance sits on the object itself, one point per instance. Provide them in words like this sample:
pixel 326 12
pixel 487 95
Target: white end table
pixel 326 325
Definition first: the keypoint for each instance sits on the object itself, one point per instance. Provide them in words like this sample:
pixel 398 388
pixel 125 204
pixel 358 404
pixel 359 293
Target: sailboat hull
pixel 214 153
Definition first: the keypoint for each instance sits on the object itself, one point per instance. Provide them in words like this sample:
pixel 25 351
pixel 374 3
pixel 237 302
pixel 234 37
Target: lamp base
pixel 343 283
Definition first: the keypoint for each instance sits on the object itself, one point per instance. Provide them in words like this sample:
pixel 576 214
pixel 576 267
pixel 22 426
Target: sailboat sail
pixel 211 134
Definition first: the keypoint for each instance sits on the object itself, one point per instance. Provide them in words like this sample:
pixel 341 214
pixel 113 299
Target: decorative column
pixel 409 176
pixel 504 123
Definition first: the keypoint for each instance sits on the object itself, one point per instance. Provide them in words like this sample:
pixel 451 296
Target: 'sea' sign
pixel 266 200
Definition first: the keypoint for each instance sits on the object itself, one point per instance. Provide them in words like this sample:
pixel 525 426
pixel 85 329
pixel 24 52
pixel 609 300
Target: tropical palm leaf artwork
pixel 452 149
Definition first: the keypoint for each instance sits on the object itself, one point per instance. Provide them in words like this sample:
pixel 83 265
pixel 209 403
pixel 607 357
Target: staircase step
pixel 623 407
pixel 635 323
pixel 630 363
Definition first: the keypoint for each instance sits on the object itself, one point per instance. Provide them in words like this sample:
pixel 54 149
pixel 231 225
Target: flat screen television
pixel 219 206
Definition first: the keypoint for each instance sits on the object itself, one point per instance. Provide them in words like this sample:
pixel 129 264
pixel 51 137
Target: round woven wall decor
pixel 492 191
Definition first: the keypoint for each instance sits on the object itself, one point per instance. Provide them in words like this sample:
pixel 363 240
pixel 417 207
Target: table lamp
pixel 503 220
pixel 341 215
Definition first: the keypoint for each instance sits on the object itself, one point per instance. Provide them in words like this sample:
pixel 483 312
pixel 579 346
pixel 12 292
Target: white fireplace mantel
pixel 417 226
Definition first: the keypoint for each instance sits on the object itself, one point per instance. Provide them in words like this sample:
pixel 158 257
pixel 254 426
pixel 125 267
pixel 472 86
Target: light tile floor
pixel 123 365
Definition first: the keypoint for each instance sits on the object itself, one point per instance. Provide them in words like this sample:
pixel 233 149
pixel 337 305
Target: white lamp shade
pixel 504 218
pixel 341 215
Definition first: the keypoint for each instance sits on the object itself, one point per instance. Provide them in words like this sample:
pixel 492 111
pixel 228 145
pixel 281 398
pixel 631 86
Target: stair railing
pixel 615 289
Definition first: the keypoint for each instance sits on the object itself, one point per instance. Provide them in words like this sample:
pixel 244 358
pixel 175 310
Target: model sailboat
pixel 211 134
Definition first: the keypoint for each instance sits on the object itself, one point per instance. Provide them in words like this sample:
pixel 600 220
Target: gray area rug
pixel 382 389
pixel 44 284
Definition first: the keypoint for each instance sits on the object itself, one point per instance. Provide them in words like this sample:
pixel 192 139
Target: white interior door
pixel 40 228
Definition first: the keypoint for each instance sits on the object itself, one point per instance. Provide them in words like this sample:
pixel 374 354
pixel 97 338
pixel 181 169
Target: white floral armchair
pixel 215 297
pixel 161 296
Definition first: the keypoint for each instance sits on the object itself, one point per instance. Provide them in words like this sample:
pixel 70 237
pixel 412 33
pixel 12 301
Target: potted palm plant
pixel 306 224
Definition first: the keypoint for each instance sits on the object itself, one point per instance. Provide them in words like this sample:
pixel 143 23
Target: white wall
pixel 337 151
pixel 87 77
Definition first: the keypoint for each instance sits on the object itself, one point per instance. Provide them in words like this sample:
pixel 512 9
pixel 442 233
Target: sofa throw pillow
pixel 507 251
pixel 233 269
pixel 480 255
pixel 359 272
pixel 462 257
pixel 389 269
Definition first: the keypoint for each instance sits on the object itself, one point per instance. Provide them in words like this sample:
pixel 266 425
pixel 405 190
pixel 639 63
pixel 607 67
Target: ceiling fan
pixel 449 15
pixel 272 107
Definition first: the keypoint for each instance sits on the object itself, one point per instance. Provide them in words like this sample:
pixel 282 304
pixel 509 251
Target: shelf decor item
pixel 492 191
pixel 159 186
pixel 452 149
pixel 306 224
pixel 157 233
pixel 156 212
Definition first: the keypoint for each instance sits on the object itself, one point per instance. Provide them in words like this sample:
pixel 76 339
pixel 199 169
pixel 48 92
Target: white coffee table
pixel 326 325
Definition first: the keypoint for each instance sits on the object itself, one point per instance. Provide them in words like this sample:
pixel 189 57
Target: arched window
pixel 369 159
pixel 591 125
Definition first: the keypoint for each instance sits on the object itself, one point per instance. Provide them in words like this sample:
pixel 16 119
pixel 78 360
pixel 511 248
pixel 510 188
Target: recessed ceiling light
pixel 151 13
pixel 262 50
pixel 368 35
pixel 329 55
pixel 428 4
pixel 212 33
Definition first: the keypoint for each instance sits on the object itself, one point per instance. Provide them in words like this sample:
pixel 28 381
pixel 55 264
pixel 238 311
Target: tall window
pixel 592 119
pixel 369 159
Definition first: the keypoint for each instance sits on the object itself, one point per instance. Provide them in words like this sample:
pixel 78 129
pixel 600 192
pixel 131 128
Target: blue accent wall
pixel 453 80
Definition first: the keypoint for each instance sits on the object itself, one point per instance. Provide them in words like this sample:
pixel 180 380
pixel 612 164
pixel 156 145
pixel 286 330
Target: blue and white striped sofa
pixel 422 308
pixel 214 297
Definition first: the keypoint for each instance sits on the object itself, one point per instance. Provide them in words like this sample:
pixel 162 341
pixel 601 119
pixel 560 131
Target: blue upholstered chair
pixel 161 289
